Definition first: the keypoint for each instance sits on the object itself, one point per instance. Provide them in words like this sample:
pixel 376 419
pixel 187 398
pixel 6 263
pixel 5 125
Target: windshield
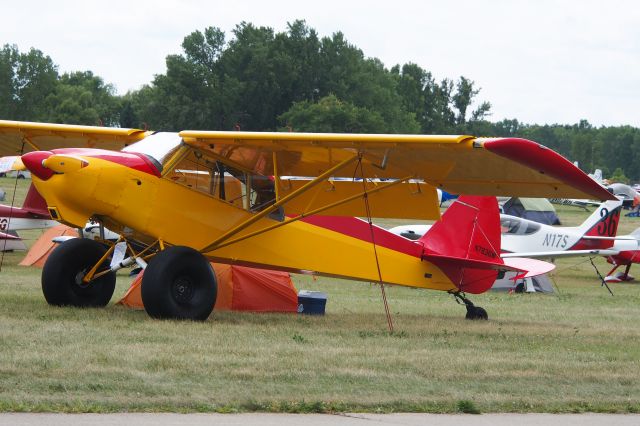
pixel 159 146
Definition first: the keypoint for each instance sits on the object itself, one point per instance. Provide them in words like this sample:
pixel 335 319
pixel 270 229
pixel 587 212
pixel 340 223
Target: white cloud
pixel 538 61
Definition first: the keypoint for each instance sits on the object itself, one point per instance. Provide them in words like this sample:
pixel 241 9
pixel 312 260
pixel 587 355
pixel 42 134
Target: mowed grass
pixel 577 350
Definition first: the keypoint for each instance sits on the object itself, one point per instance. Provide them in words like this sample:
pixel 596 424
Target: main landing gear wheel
pixel 64 270
pixel 179 283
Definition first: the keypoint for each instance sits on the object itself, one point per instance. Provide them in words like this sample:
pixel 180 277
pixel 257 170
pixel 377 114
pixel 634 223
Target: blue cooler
pixel 311 302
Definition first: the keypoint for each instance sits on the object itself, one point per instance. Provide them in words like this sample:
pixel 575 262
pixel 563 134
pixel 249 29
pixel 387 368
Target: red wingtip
pixel 549 162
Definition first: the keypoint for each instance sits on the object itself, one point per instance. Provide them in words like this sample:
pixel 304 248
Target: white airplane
pixel 526 238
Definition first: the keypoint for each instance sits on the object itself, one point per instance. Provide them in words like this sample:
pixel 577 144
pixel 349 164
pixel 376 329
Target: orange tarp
pixel 239 289
pixel 41 249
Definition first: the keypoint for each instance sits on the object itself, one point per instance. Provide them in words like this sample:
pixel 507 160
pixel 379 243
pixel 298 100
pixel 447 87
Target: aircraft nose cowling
pixel 33 162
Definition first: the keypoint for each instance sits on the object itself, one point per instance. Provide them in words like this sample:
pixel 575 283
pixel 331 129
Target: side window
pixel 509 225
pixel 196 178
pixel 517 226
pixel 263 193
pixel 532 227
pixel 207 175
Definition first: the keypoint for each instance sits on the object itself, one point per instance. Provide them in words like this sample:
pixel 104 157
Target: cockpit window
pixel 517 226
pixel 159 146
pixel 204 173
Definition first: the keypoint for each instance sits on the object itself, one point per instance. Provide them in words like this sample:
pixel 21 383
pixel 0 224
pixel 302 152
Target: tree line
pixel 262 80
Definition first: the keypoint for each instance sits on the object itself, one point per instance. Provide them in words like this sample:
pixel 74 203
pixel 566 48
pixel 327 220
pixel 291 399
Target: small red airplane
pixel 32 215
pixel 238 197
pixel 624 258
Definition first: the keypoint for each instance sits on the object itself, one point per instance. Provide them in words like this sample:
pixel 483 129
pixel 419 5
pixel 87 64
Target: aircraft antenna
pixel 365 197
pixel 13 199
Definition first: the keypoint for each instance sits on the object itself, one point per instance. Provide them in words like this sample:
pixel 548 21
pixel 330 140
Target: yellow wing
pixel 18 137
pixel 457 164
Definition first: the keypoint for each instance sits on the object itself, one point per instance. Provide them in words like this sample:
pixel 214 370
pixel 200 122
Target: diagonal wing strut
pixel 320 178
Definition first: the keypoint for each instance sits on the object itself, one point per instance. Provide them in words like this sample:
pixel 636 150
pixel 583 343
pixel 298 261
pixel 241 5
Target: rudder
pixel 469 230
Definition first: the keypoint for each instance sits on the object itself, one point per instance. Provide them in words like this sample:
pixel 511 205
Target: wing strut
pixel 30 142
pixel 276 176
pixel 365 197
pixel 253 219
pixel 313 212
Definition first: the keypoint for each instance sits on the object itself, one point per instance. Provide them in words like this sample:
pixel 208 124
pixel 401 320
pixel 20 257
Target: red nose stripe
pixel 357 228
pixel 132 160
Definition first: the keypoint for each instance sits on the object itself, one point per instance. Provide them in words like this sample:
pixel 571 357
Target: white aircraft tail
pixel 596 175
pixel 603 222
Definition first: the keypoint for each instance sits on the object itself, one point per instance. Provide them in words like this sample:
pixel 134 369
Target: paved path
pixel 264 419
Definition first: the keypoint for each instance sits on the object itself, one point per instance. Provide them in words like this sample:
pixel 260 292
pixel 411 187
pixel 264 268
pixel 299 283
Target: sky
pixel 539 61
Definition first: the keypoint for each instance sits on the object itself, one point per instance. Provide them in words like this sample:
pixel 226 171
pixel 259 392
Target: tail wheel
pixel 476 313
pixel 64 270
pixel 179 283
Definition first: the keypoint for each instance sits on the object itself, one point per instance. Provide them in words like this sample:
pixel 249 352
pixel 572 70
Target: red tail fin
pixel 34 203
pixel 465 243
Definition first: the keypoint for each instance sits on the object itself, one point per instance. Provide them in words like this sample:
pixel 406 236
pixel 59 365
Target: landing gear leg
pixel 610 274
pixel 625 277
pixel 473 312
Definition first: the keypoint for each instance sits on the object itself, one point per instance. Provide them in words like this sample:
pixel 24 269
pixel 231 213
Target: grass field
pixel 577 350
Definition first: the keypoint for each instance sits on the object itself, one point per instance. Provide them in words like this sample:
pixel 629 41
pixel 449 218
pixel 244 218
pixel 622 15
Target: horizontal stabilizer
pixel 625 238
pixel 461 262
pixel 5 236
pixel 562 253
pixel 533 267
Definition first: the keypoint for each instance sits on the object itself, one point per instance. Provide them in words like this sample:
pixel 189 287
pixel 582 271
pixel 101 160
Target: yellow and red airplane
pixel 262 199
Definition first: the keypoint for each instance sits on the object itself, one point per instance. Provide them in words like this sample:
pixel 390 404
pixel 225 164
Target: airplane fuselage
pixel 132 198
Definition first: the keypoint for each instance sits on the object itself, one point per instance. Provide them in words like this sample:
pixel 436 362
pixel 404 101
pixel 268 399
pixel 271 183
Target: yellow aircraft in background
pixel 280 201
